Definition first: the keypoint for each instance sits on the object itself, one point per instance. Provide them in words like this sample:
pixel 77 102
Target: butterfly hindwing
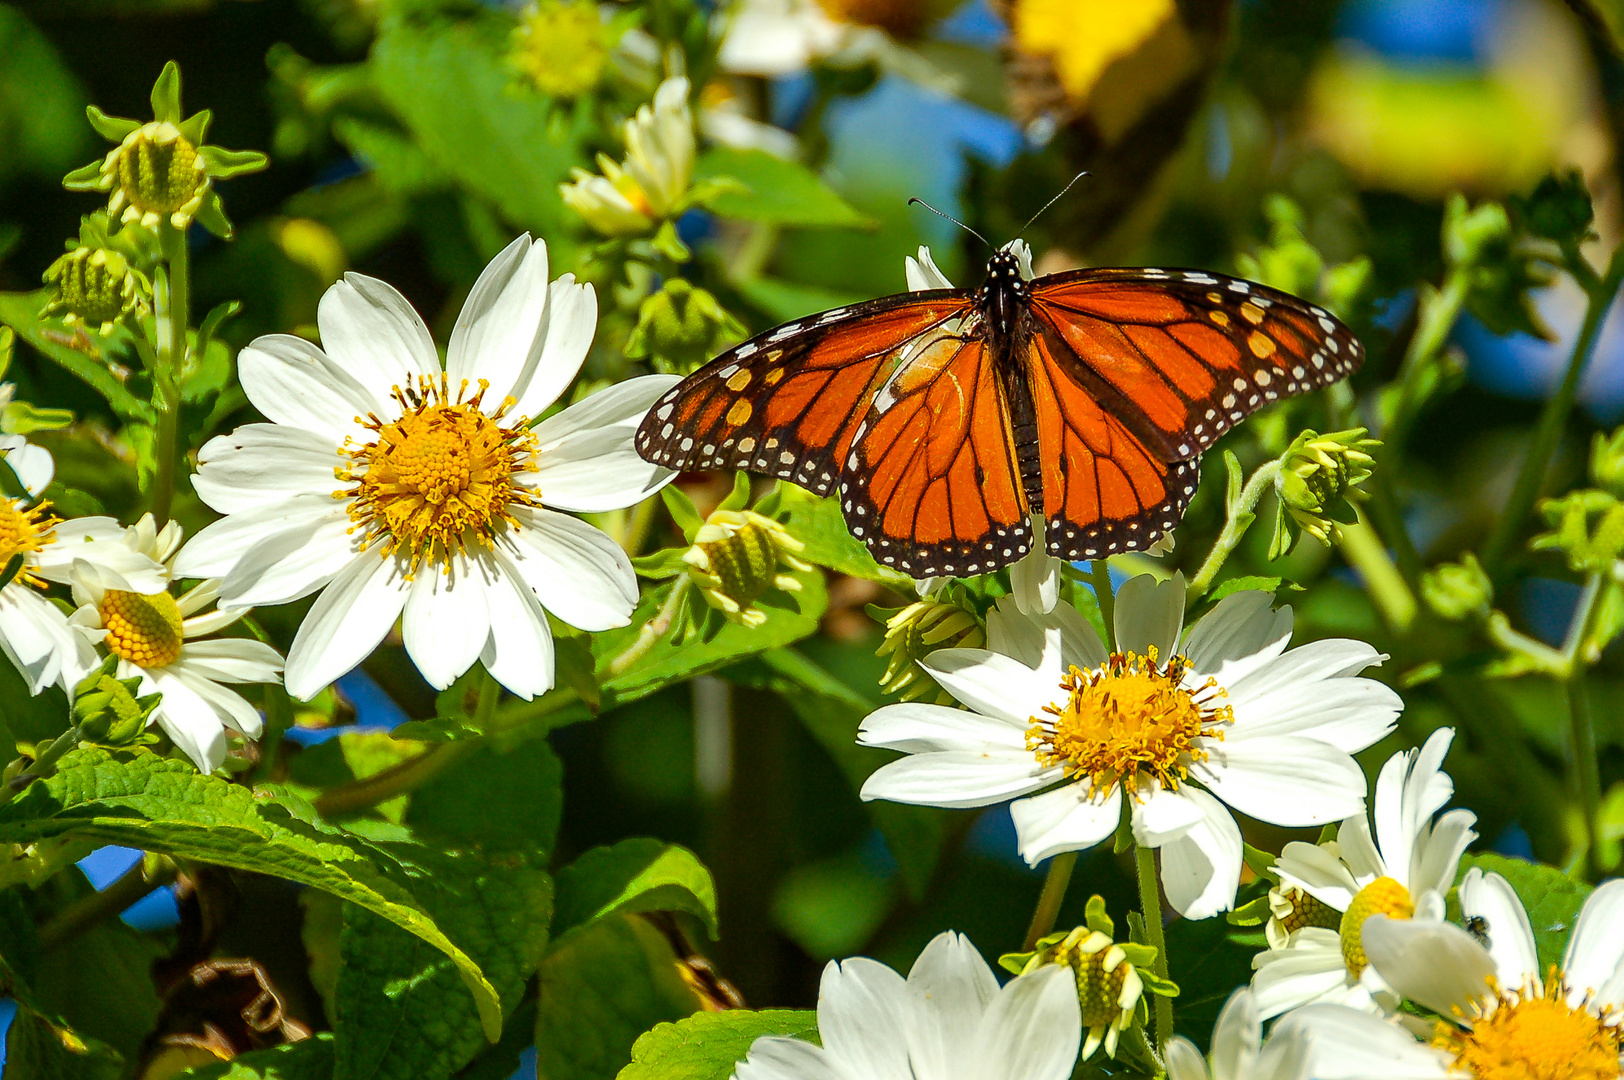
pixel 785 403
pixel 1181 356
pixel 931 483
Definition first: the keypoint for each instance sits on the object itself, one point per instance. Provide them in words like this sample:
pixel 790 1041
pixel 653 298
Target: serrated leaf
pixel 166 806
pixel 493 801
pixel 307 1059
pixel 1242 584
pixel 401 1011
pixel 632 876
pixel 1551 898
pixel 20 311
pixel 819 524
pixel 771 190
pixel 598 990
pixel 708 1046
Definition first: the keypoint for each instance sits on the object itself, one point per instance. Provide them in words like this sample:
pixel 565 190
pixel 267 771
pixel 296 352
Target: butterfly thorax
pixel 1004 301
pixel 1003 296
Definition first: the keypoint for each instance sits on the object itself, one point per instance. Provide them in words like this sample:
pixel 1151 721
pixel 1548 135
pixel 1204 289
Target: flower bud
pixel 735 559
pixel 916 631
pixel 1319 479
pixel 107 710
pixel 560 46
pixel 1455 591
pixel 1607 462
pixel 652 182
pixel 1291 909
pixel 98 287
pixel 680 327
pixel 157 174
pixel 1587 527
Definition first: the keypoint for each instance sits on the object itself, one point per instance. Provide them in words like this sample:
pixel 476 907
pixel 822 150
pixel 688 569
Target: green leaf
pixel 819 524
pixel 493 801
pixel 307 1059
pixel 400 165
pixel 771 190
pixel 707 1046
pixel 451 88
pixel 165 806
pixel 631 876
pixel 666 663
pixel 831 712
pixel 1242 584
pixel 36 1050
pixel 600 989
pixel 1551 898
pixel 682 510
pixel 112 128
pixel 401 1010
pixel 662 564
pixel 79 354
pixel 224 164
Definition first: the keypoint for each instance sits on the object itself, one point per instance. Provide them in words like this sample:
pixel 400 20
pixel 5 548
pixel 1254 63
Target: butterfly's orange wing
pixel 786 403
pixel 932 482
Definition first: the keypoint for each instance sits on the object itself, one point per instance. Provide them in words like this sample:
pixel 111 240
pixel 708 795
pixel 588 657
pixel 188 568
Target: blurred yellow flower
pixel 560 46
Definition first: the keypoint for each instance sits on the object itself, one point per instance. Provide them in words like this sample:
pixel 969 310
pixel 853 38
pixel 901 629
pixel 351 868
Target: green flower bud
pixel 1317 484
pixel 98 287
pixel 1607 462
pixel 735 559
pixel 1455 591
pixel 1469 235
pixel 107 710
pixel 916 631
pixel 680 327
pixel 1291 909
pixel 1587 527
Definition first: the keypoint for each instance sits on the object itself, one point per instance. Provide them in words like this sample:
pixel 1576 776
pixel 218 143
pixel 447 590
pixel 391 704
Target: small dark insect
pixel 1478 927
pixel 952 422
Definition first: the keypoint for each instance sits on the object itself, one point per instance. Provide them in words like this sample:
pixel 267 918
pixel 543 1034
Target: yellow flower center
pixel 1384 896
pixel 1534 1035
pixel 439 479
pixel 24 532
pixel 145 630
pixel 158 169
pixel 1131 716
pixel 560 46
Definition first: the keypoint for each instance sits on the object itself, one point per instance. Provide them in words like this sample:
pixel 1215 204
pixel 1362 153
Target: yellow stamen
pixel 1536 1035
pixel 1384 896
pixel 1131 717
pixel 439 480
pixel 25 532
pixel 145 630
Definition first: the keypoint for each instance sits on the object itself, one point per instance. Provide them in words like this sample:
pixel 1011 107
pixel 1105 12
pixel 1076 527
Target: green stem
pixel 1584 770
pixel 1150 904
pixel 485 711
pixel 41 767
pixel 652 631
pixel 1384 584
pixel 1099 573
pixel 173 303
pixel 1239 518
pixel 1552 421
pixel 82 914
pixel 1054 891
pixel 395 780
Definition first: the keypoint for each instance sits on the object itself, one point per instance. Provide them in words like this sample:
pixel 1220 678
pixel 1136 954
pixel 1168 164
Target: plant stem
pixel 1150 904
pixel 173 303
pixel 41 767
pixel 1054 891
pixel 652 631
pixel 1099 573
pixel 1552 421
pixel 1383 583
pixel 1239 518
pixel 1584 770
pixel 82 914
pixel 395 780
pixel 489 694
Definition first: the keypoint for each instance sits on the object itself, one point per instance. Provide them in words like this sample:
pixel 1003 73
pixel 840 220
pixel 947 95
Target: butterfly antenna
pixel 1054 200
pixel 950 217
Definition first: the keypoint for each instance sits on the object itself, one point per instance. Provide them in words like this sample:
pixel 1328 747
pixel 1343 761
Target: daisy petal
pixel 372 332
pixel 346 623
pixel 1241 627
pixel 33 465
pixel 1360 852
pixel 1149 613
pixel 1161 816
pixel 1318 871
pixel 1331 658
pixel 294 383
pixel 290 563
pixel 1310 969
pixel 1511 938
pixel 1183 1060
pixel 446 620
pixel 259 464
pixel 1348 713
pixel 958 778
pixel 992 684
pixel 1032 1030
pixel 230 708
pixel 1285 781
pixel 1065 819
pixel 585 460
pixel 519 651
pixel 36 638
pixel 1594 962
pixel 565 335
pixel 1026 637
pixel 774 1057
pixel 862 1019
pixel 497 337
pixel 917 727
pixel 1202 870
pixel 580 574
pixel 949 987
pixel 1435 964
pixel 1347 1044
pixel 233 660
pixel 186 718
pixel 1235 1037
pixel 1437 855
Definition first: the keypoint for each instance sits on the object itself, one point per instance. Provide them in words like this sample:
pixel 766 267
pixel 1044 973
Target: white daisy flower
pixel 1268 732
pixel 447 503
pixel 948 1019
pixel 1238 1050
pixel 152 636
pixel 1404 872
pixel 1035 578
pixel 783 37
pixel 1504 1017
pixel 652 181
pixel 34 633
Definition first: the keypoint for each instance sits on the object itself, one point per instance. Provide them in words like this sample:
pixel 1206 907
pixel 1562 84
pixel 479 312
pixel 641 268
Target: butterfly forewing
pixel 786 403
pixel 1181 356
pixel 931 483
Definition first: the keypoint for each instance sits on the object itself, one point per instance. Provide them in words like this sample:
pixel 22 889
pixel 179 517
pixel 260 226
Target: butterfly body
pixel 949 421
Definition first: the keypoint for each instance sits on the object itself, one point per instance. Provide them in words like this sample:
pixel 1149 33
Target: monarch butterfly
pixel 952 422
